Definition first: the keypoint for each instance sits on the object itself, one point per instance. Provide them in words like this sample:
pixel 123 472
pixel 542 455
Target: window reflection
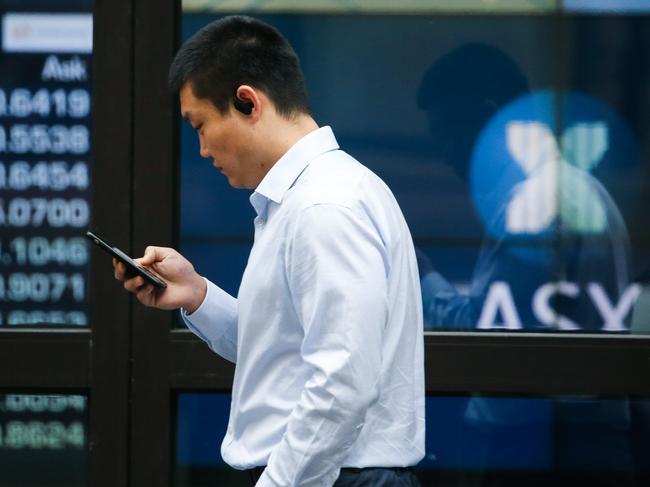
pixel 471 441
pixel 555 253
pixel 515 145
pixel 565 440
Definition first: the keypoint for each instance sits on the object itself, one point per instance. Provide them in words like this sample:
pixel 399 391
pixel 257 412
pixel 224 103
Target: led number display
pixel 45 167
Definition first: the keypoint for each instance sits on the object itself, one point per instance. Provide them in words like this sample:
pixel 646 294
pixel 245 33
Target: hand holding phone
pixel 133 268
pixel 182 286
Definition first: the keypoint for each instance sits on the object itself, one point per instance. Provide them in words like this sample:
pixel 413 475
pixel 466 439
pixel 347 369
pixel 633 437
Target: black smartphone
pixel 133 267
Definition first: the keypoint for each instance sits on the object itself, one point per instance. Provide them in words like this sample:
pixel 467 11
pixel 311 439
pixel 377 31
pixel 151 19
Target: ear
pixel 248 101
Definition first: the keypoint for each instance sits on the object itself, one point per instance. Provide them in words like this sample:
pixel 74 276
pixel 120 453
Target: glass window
pixel 600 6
pixel 567 440
pixel 201 424
pixel 471 441
pixel 45 164
pixel 43 440
pixel 515 141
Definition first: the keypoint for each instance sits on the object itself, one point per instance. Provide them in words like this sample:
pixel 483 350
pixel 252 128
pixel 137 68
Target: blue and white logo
pixel 531 169
pixel 533 180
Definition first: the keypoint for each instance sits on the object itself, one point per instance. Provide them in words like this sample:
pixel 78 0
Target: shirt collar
pixel 288 168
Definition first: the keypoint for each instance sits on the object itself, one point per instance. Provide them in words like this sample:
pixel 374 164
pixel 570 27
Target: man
pixel 326 330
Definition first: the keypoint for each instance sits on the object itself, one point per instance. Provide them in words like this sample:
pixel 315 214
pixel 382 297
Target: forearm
pixel 215 321
pixel 444 306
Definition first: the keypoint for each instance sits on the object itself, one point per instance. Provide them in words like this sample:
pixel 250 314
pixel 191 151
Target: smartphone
pixel 133 268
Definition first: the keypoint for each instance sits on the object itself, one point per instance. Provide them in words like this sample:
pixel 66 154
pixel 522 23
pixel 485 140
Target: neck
pixel 275 136
pixel 287 132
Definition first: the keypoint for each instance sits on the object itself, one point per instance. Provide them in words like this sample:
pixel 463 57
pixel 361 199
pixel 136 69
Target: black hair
pixel 460 92
pixel 235 51
pixel 469 75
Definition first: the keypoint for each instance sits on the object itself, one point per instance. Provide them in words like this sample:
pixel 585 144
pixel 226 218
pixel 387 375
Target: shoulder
pixel 335 178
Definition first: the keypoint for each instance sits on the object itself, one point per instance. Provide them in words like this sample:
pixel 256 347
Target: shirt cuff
pixel 205 298
pixel 217 304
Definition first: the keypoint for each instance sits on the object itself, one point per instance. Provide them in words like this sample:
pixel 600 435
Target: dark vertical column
pixel 111 209
pixel 154 224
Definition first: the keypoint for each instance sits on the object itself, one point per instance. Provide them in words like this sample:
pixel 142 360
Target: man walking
pixel 326 330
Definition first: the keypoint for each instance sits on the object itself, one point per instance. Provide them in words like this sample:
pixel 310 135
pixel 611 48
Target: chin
pixel 235 183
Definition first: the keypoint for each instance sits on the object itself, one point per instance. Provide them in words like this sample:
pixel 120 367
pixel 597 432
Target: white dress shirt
pixel 326 330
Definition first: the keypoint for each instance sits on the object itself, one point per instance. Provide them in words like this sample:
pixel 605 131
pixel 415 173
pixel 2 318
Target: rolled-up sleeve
pixel 337 271
pixel 215 321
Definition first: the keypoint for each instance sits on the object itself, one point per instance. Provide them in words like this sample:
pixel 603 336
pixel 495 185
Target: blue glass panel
pixel 201 425
pixel 474 440
pixel 609 6
pixel 222 263
pixel 522 174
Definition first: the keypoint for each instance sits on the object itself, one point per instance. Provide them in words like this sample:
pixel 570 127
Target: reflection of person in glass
pixel 560 261
pixel 561 282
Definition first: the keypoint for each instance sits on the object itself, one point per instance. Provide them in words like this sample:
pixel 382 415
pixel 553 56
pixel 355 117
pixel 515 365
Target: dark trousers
pixel 377 477
pixel 365 477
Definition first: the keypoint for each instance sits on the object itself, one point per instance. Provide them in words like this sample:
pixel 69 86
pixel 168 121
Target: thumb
pixel 151 256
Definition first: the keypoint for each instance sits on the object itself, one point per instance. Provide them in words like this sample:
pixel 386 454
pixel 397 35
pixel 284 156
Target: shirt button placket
pixel 259 224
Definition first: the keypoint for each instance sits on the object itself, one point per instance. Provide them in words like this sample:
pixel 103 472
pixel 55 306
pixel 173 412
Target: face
pixel 226 139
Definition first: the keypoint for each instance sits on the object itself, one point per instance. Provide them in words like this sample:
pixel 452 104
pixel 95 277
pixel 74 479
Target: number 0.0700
pixel 37 212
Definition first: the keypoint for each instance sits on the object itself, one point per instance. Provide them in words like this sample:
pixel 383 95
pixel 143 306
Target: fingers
pixel 146 294
pixel 144 291
pixel 119 270
pixel 152 255
pixel 131 283
pixel 134 284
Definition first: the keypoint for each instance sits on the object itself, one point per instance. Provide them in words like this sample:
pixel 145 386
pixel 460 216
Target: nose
pixel 204 150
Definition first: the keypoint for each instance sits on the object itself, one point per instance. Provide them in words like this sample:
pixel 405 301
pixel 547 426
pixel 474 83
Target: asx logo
pixel 531 167
pixel 533 187
pixel 499 310
pixel 555 177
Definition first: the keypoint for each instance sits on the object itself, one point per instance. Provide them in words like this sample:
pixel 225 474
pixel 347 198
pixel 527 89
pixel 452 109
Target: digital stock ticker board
pixel 45 166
